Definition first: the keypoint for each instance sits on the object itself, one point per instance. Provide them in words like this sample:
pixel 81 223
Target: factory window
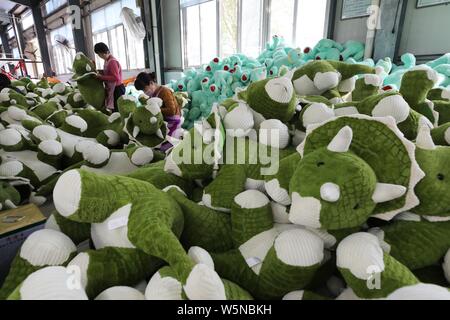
pixel 251 27
pixel 244 25
pixel 282 19
pixel 27 20
pixel 10 32
pixel 311 20
pixel 228 27
pixel 108 27
pixel 308 21
pixel 53 5
pixel 62 49
pixel 15 53
pixel 200 32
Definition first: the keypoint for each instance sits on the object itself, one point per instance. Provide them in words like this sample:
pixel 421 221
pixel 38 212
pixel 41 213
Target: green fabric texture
pixel 233 292
pixel 311 296
pixel 443 107
pixel 186 156
pixel 259 100
pixel 77 232
pixel 203 227
pixel 393 277
pixel 15 99
pixel 434 275
pixel 154 215
pixel 58 118
pixel 229 182
pixel 110 267
pixel 363 90
pixel 436 94
pixel 8 192
pixel 312 68
pixel 433 189
pixel 348 70
pixel 439 135
pixel 15 295
pixel 415 86
pixel 20 269
pixel 410 127
pixel 418 244
pixel 45 110
pixel 73 102
pixel 157 216
pixel 247 223
pixel 155 174
pixel 275 279
pixel 101 195
pixel 90 87
pixel 357 185
pixel 312 99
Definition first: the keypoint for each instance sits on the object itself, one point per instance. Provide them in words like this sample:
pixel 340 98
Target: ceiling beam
pixel 28 3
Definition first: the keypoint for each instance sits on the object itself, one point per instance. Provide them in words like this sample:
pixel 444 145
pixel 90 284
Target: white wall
pixel 426 30
pixel 352 29
pixel 171 30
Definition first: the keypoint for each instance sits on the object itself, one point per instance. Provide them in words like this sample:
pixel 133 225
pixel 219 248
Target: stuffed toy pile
pixel 222 78
pixel 48 129
pixel 319 184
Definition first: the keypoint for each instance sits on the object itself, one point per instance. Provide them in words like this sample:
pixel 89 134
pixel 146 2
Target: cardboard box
pixel 15 226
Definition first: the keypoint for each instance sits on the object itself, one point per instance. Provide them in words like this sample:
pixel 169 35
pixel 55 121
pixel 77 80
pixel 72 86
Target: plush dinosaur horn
pixel 160 134
pixel 289 74
pixel 136 131
pixel 424 140
pixel 386 192
pixel 342 141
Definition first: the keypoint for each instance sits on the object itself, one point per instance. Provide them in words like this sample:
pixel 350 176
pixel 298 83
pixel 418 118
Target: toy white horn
pixel 136 131
pixel 386 192
pixel 160 134
pixel 424 140
pixel 342 141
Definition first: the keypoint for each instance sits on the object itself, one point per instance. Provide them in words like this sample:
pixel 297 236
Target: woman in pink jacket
pixel 112 76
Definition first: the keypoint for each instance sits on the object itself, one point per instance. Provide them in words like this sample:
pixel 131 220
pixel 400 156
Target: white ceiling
pixel 6 5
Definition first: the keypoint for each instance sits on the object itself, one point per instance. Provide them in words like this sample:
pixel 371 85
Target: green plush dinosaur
pixel 41 249
pixel 144 125
pixel 325 201
pixel 89 86
pixel 416 83
pixel 368 270
pixel 272 98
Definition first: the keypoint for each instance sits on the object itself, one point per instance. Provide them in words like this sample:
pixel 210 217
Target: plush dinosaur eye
pixel 320 164
pixel 441 177
pixel 356 207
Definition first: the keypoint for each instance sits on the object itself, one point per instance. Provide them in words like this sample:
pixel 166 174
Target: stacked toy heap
pixel 222 78
pixel 46 130
pixel 315 185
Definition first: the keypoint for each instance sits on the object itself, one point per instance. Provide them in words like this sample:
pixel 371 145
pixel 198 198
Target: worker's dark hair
pixel 101 48
pixel 144 79
pixel 4 81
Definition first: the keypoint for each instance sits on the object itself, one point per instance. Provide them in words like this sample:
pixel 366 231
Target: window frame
pixel 266 6
pixel 108 34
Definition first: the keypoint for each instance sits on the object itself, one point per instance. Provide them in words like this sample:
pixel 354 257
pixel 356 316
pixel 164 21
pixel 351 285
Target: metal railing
pixel 16 68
